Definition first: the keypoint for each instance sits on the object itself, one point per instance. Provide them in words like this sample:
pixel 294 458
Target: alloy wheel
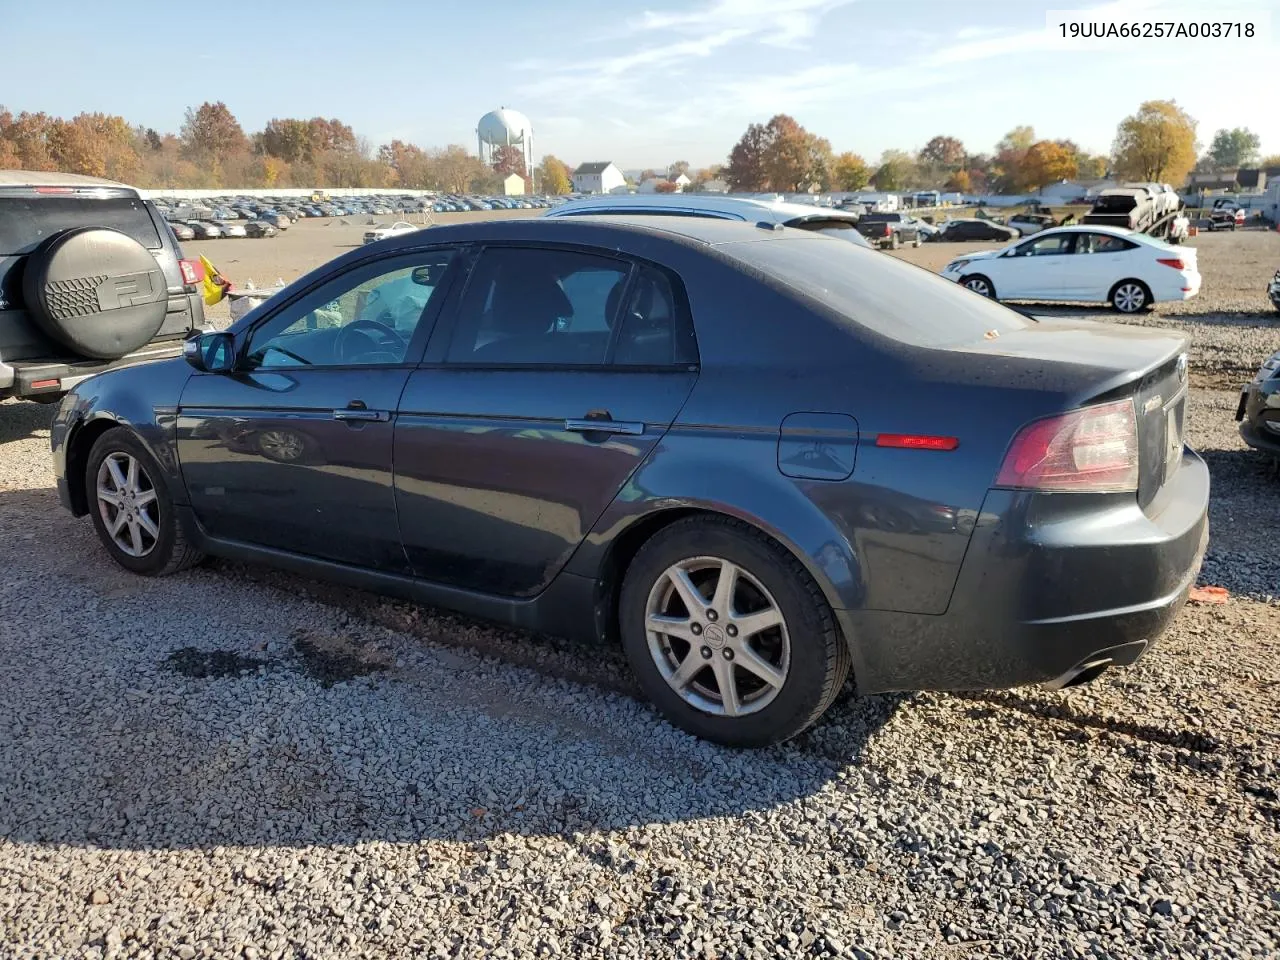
pixel 127 503
pixel 717 636
pixel 980 287
pixel 1129 298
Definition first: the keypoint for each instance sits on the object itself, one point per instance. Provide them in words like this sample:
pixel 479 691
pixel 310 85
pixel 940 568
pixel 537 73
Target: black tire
pixel 975 278
pixel 895 242
pixel 820 659
pixel 170 551
pixel 916 243
pixel 1124 308
pixel 95 291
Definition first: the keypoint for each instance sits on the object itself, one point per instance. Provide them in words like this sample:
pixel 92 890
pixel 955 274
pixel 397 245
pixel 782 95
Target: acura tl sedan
pixel 761 459
pixel 1129 270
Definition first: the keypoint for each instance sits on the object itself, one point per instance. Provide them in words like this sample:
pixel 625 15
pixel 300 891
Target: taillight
pixel 888 231
pixel 192 271
pixel 1175 262
pixel 1091 450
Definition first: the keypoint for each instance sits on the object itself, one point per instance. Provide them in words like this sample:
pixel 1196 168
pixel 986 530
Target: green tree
pixel 1158 143
pixel 895 171
pixel 1232 149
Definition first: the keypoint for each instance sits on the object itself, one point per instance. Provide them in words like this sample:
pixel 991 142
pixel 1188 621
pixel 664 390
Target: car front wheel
pixel 979 285
pixel 131 508
pixel 728 634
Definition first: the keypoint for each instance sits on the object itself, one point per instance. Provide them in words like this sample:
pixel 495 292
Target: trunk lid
pixel 1094 362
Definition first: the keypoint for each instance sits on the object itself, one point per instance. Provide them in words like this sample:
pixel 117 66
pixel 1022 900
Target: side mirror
pixel 211 352
pixel 426 276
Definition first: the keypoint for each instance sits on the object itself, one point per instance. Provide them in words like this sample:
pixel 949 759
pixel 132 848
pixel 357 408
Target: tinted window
pixel 367 315
pixel 1102 243
pixel 1054 245
pixel 25 222
pixel 655 328
pixel 538 307
pixel 827 225
pixel 880 293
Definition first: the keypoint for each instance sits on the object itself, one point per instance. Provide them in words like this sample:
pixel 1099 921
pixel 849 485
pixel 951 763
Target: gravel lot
pixel 237 763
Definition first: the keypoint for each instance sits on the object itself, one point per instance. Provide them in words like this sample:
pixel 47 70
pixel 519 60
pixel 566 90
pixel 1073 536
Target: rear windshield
pixel 1117 204
pixel 25 222
pixel 892 217
pixel 879 292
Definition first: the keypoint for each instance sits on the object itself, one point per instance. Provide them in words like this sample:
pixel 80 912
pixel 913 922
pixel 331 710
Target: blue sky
pixel 640 83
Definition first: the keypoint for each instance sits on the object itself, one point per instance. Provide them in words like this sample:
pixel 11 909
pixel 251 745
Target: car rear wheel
pixel 131 508
pixel 979 285
pixel 1130 296
pixel 728 634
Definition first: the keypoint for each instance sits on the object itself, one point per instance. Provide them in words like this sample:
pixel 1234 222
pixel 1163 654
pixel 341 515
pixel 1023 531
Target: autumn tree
pixel 959 182
pixel 1232 149
pixel 211 132
pixel 940 157
pixel 1006 168
pixel 507 160
pixel 288 140
pixel 1158 143
pixel 28 137
pixel 96 145
pixel 1047 162
pixel 780 155
pixel 665 186
pixel 1092 167
pixel 895 171
pixel 554 176
pixel 850 172
pixel 1270 161
pixel 677 168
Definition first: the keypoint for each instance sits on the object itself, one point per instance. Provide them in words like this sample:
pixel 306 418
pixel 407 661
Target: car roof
pixel 40 178
pixel 747 208
pixel 1090 228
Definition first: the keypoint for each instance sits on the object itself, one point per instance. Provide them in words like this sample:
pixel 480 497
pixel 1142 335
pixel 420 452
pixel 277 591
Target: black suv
pixel 91 277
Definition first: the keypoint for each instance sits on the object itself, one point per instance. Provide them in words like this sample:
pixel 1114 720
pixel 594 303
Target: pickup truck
pixel 1226 215
pixel 890 230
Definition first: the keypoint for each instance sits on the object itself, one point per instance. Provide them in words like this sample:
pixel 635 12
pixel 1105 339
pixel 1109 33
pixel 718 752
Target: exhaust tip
pixel 1079 674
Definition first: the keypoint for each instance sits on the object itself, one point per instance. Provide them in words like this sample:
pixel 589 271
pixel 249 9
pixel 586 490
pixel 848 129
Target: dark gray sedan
pixel 759 458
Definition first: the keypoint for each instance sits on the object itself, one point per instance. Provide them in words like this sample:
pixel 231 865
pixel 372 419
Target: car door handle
pixel 350 413
pixel 589 425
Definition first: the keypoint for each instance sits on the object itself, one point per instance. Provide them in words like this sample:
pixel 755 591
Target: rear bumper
pixel 1050 583
pixel 40 379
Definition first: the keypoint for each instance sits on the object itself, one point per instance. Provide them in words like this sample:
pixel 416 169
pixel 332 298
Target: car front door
pixel 292 449
pixel 1035 267
pixel 1097 263
pixel 561 372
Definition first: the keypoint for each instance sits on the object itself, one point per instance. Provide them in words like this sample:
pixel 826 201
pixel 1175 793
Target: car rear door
pixel 560 373
pixel 292 449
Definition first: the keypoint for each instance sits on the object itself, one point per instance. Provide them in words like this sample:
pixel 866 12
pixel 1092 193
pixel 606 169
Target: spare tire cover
pixel 96 291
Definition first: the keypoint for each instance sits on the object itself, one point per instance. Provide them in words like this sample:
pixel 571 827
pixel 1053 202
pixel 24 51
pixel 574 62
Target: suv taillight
pixel 1090 450
pixel 888 230
pixel 192 271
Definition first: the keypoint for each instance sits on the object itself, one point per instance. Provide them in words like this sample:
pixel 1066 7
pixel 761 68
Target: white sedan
pixel 381 233
pixel 1126 269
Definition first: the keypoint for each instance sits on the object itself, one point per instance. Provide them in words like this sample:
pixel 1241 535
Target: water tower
pixel 505 128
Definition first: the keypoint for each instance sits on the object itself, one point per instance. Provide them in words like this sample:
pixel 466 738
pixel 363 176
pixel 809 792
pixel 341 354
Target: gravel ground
pixel 237 763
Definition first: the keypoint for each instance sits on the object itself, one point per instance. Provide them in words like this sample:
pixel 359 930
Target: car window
pixel 1102 243
pixel 25 222
pixel 655 329
pixel 1054 245
pixel 367 315
pixel 538 306
pixel 879 293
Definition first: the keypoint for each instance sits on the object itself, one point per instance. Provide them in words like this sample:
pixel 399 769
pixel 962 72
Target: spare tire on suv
pixel 96 291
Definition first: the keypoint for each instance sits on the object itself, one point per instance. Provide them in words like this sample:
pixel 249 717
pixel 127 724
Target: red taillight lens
pixel 54 190
pixel 916 441
pixel 1175 262
pixel 888 231
pixel 1091 450
pixel 192 271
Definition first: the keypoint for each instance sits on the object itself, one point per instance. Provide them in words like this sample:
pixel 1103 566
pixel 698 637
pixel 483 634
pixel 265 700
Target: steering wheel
pixel 383 336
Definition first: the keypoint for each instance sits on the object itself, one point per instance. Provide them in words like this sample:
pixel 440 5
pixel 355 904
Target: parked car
pixel 890 230
pixel 577 451
pixel 1259 410
pixel 277 220
pixel 259 228
pixel 181 231
pixel 1273 290
pixel 800 216
pixel 953 231
pixel 91 277
pixel 375 234
pixel 1029 223
pixel 1226 214
pixel 205 229
pixel 233 229
pixel 1131 271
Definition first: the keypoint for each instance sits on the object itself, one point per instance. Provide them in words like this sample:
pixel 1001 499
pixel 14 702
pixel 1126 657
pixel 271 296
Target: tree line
pixel 1157 143
pixel 212 149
